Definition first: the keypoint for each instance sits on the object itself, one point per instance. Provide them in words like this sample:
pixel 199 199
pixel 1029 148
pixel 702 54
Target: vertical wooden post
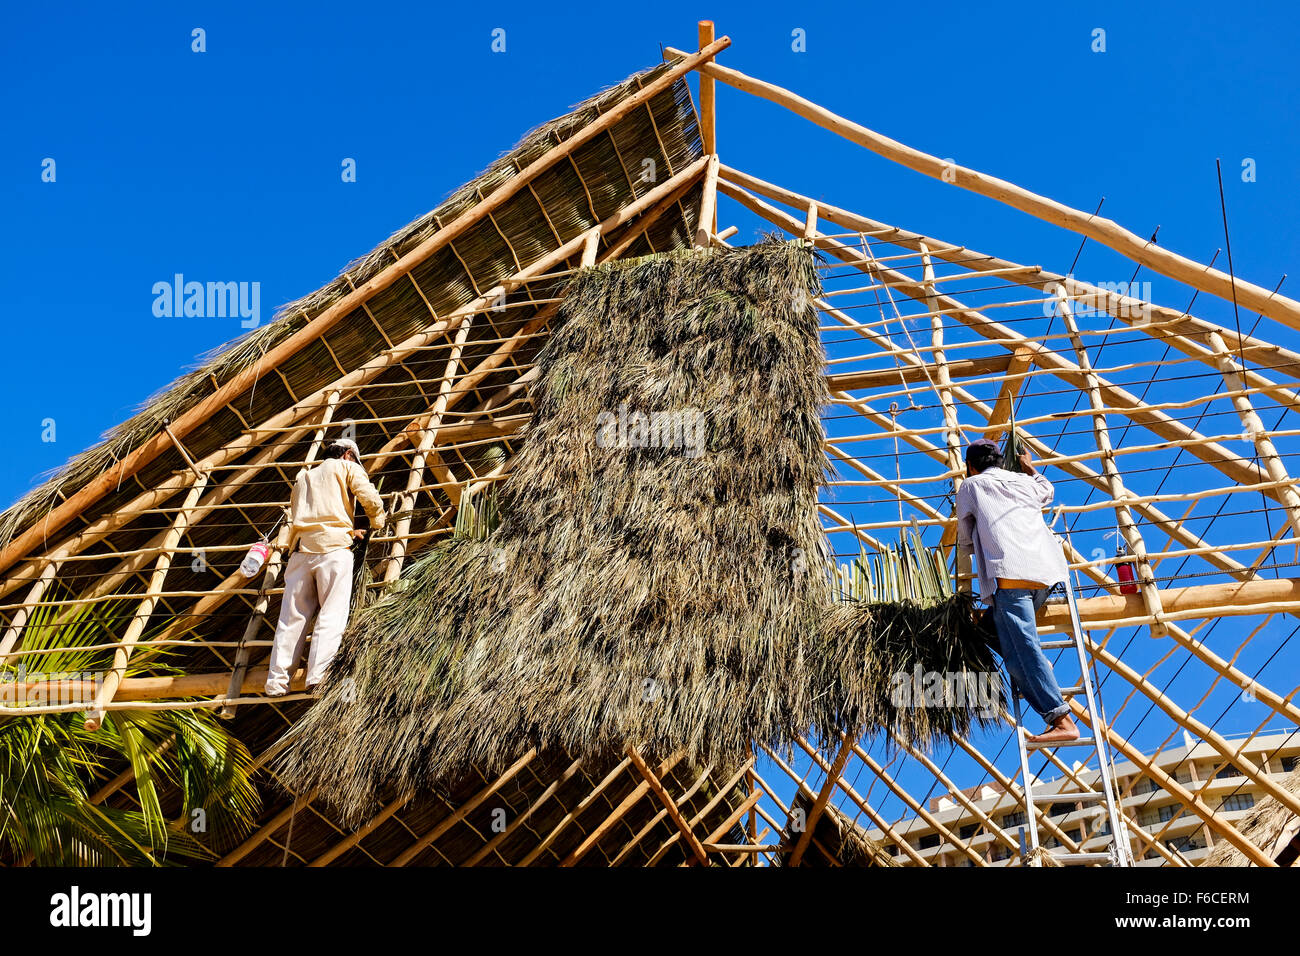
pixel 708 114
pixel 810 223
pixel 95 716
pixel 1115 482
pixel 402 527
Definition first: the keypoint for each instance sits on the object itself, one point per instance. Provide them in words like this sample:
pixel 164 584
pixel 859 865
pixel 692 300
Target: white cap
pixel 347 443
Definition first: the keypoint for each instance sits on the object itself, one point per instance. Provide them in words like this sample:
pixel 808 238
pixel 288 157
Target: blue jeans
pixel 1031 673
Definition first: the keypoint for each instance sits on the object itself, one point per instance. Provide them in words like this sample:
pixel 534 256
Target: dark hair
pixel 336 451
pixel 983 457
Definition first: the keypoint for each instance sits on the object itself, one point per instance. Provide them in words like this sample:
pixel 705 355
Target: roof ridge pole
pixel 1105 231
pixel 708 123
pixel 202 410
pixel 1101 433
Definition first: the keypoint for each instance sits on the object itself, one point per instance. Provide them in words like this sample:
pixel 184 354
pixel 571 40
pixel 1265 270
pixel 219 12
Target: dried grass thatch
pixel 834 838
pixel 661 587
pixel 1270 826
pixel 635 592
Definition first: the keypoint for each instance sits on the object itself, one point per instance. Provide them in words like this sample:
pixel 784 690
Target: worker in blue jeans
pixel 1000 522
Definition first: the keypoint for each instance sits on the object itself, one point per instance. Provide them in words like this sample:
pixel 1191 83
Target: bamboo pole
pixel 1123 515
pixel 393 569
pixel 819 805
pixel 549 840
pixel 264 832
pixel 95 716
pixel 670 805
pixel 31 600
pixel 618 813
pixel 912 803
pixel 464 810
pixel 1234 380
pixel 880 822
pixel 1163 780
pixel 654 821
pixel 723 793
pixel 1105 231
pixel 956 792
pixel 534 805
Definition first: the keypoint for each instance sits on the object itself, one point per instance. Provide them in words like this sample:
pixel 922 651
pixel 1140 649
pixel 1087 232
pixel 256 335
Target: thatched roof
pixel 836 840
pixel 659 577
pixel 1270 826
pixel 561 203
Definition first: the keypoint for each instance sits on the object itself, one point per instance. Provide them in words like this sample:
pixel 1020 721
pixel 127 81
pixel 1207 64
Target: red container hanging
pixel 1127 583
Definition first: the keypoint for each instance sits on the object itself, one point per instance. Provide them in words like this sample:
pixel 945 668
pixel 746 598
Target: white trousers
pixel 318 584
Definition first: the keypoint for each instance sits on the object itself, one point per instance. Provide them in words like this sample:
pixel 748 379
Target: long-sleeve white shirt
pixel 321 506
pixel 1000 521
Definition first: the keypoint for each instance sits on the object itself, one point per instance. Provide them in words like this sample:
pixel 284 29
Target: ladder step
pixel 1080 859
pixel 1053 645
pixel 1045 745
pixel 1074 691
pixel 1086 796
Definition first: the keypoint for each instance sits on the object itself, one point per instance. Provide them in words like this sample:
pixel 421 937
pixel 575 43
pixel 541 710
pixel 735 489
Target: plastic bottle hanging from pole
pixel 255 559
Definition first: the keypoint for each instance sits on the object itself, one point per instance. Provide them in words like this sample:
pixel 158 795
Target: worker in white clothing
pixel 1000 523
pixel 318 579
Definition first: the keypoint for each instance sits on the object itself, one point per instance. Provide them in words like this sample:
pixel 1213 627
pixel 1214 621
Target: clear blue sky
pixel 225 165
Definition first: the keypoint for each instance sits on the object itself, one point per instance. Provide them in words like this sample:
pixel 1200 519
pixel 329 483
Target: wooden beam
pixel 1105 231
pixel 670 805
pixel 823 797
pixel 883 378
pixel 618 813
pixel 708 205
pixel 461 812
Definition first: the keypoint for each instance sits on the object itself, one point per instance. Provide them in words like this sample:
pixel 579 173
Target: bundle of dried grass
pixel 902 652
pixel 657 575
pixel 923 671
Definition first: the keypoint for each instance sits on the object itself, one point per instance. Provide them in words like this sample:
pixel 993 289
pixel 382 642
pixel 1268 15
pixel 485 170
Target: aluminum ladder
pixel 1118 854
